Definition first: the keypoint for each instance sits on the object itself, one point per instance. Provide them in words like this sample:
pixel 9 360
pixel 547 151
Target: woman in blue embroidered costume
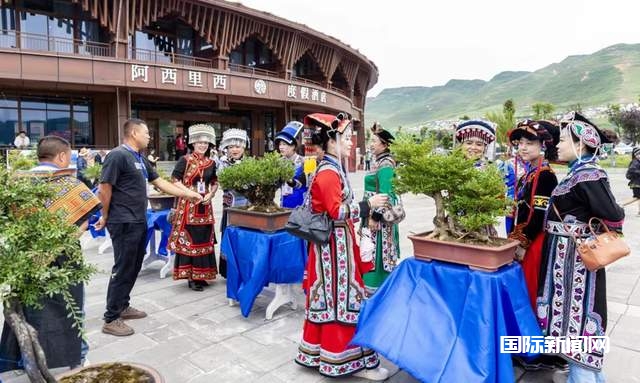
pixel 233 144
pixel 293 190
pixel 475 136
pixel 536 142
pixel 380 180
pixel 192 236
pixel 333 278
pixel 572 300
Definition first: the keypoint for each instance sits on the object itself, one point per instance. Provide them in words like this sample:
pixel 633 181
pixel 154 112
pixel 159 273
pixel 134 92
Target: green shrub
pixel 258 179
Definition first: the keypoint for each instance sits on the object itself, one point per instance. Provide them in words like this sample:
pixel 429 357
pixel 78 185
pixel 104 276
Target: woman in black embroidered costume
pixel 192 237
pixel 572 300
pixel 536 142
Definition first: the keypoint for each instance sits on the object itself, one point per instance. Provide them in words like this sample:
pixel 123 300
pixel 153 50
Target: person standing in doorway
pixel 181 146
pixel 123 193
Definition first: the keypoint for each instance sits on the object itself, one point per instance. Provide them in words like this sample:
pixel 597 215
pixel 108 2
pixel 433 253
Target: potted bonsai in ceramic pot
pixel 468 203
pixel 258 179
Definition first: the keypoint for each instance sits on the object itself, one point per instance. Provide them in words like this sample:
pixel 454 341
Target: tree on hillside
pixel 613 113
pixel 543 110
pixel 575 108
pixel 630 124
pixel 504 121
pixel 423 132
pixel 465 118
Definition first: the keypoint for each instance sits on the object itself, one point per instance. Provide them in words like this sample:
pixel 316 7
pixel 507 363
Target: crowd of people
pixel 567 299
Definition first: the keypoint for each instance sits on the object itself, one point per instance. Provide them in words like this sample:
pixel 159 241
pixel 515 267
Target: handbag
pixel 391 214
pixel 367 245
pixel 600 250
pixel 312 227
pixel 394 213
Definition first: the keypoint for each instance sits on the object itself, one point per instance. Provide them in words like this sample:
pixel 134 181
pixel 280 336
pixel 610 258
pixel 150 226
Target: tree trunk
pixel 440 220
pixel 33 356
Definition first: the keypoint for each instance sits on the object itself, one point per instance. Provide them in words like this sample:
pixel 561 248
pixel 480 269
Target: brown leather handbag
pixel 603 249
pixel 599 250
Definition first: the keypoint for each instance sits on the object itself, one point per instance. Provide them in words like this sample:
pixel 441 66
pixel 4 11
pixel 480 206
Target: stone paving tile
pixel 627 333
pixel 622 365
pixel 620 286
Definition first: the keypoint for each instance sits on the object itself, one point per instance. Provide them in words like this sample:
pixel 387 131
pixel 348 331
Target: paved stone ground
pixel 196 337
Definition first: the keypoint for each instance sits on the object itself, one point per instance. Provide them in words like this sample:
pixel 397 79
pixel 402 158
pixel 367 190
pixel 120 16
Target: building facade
pixel 79 68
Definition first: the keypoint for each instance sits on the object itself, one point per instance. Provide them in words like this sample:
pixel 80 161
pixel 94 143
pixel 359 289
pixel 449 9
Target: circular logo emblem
pixel 260 86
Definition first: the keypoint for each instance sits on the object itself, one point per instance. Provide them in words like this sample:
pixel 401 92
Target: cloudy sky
pixel 427 43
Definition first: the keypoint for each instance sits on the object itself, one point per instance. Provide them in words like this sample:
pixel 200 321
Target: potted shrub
pixel 468 201
pixel 258 179
pixel 31 239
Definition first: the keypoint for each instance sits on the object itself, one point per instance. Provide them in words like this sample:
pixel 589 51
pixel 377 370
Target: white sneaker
pixel 377 374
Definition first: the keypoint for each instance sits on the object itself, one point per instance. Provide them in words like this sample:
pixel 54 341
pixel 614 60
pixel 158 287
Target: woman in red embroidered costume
pixel 333 280
pixel 536 143
pixel 192 237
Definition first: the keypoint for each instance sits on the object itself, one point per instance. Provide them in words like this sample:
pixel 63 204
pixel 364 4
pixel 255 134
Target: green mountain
pixel 611 75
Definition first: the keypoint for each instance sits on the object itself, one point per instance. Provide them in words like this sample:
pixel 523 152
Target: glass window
pixel 80 106
pixel 89 31
pixel 34 104
pixel 7 19
pixel 184 41
pixel 8 103
pixel 34 123
pixel 8 125
pixel 59 124
pixel 58 105
pixel 82 132
pixel 34 31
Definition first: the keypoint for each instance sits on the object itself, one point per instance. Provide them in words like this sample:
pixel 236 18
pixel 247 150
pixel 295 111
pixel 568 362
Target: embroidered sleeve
pixel 384 179
pixel 179 169
pixel 598 197
pixel 547 181
pixel 326 196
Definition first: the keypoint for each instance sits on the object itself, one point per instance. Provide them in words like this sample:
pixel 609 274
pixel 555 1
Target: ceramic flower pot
pixel 267 222
pixel 481 257
pixel 161 202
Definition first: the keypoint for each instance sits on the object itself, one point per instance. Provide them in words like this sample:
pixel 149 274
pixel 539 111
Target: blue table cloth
pixel 255 259
pixel 156 220
pixel 442 322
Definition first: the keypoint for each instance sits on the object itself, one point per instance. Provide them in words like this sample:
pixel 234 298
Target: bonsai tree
pixel 258 179
pixel 31 239
pixel 467 199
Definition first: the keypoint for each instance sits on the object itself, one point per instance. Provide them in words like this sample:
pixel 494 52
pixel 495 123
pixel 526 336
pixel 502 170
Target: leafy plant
pixel 258 179
pixel 19 160
pixel 467 199
pixel 92 172
pixel 40 257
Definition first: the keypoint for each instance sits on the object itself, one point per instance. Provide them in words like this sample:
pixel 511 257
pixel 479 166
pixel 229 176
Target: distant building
pixel 79 68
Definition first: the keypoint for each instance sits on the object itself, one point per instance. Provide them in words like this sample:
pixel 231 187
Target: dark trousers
pixel 129 242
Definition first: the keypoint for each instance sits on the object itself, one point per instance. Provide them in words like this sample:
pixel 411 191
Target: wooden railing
pixel 35 42
pixel 168 57
pixel 308 81
pixel 252 70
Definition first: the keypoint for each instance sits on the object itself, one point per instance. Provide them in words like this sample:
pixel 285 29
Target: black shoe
pixel 202 283
pixel 193 285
